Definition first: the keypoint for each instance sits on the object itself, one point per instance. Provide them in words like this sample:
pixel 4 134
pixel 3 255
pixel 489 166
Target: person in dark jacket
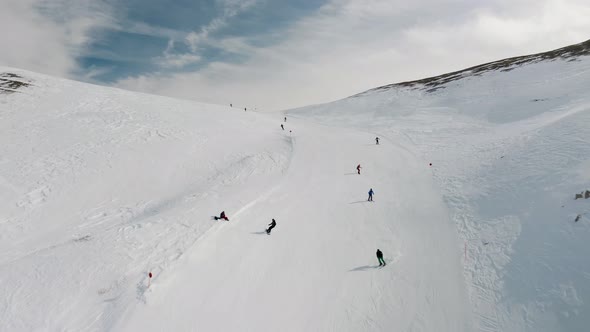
pixel 380 258
pixel 377 140
pixel 272 225
pixel 371 192
pixel 282 127
pixel 358 168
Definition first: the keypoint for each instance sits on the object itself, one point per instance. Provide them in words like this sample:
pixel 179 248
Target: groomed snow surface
pixel 99 187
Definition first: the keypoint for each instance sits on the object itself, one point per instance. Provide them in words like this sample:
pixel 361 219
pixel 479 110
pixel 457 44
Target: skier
pixel 370 195
pixel 272 225
pixel 222 216
pixel 244 109
pixel 285 119
pixel 377 140
pixel 282 127
pixel 230 105
pixel 380 258
pixel 358 168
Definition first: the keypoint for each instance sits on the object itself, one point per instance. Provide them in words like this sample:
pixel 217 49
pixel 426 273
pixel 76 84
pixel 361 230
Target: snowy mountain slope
pixel 317 271
pixel 509 150
pixel 101 186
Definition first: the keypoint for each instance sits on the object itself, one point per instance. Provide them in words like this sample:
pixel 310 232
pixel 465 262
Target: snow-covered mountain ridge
pixel 431 84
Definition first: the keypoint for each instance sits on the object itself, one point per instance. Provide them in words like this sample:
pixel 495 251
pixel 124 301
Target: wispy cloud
pixel 171 60
pixel 231 8
pixel 143 28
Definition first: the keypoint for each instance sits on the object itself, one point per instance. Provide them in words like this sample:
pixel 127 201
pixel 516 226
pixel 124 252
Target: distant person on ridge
pixel 272 225
pixel 380 258
pixel 377 140
pixel 358 168
pixel 370 195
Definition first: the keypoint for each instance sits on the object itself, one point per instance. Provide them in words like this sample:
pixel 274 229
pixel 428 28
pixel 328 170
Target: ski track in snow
pixel 302 261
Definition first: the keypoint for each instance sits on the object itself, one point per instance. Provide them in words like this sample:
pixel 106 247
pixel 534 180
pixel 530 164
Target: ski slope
pixel 102 186
pixel 509 150
pixel 317 270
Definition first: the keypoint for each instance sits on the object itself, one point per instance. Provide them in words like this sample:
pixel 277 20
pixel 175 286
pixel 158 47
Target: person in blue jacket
pixel 371 192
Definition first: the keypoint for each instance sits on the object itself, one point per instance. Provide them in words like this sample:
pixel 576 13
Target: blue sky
pixel 275 54
pixel 153 36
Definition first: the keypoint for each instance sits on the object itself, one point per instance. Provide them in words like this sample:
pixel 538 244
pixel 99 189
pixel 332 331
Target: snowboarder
pixel 358 168
pixel 272 225
pixel 222 216
pixel 377 140
pixel 370 195
pixel 282 127
pixel 380 258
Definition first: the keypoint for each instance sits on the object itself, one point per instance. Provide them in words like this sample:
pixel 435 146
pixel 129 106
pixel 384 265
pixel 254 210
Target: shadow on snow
pixel 364 268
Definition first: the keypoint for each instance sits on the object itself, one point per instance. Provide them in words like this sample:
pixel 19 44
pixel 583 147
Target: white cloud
pixel 350 46
pixel 142 28
pixel 171 60
pixel 46 36
pixel 230 8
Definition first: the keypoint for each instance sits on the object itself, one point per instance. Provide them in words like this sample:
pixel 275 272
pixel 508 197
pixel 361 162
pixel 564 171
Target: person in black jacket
pixel 380 258
pixel 272 225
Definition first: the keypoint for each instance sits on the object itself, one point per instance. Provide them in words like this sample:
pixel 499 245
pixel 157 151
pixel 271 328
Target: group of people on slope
pixel 370 199
pixel 273 223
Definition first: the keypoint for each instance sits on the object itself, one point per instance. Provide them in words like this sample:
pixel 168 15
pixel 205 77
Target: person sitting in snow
pixel 222 216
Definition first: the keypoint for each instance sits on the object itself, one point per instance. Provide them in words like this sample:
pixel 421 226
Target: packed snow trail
pixel 317 270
